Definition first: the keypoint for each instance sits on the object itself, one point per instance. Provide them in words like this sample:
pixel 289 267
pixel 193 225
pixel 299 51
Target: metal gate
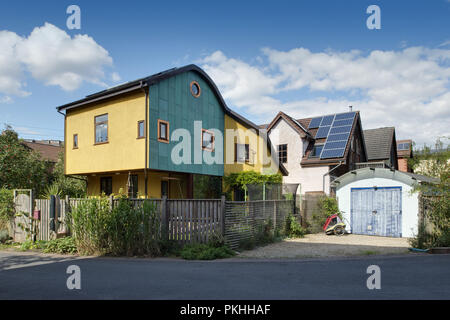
pixel 377 211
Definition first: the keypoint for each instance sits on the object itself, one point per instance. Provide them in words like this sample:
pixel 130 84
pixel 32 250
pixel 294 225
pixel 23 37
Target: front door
pixel 376 211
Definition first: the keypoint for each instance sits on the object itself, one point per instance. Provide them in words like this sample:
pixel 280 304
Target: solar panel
pixel 315 123
pixel 335 145
pixel 347 115
pixel 345 122
pixel 322 132
pixel 332 153
pixel 327 121
pixel 345 129
pixel 338 137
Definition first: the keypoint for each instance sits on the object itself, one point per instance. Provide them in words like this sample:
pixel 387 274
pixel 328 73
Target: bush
pixel 30 245
pixel 123 230
pixel 326 207
pixel 293 228
pixel 64 245
pixel 6 208
pixel 205 252
pixel 4 236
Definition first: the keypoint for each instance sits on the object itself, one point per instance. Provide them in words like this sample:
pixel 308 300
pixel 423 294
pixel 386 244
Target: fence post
pixel 164 219
pixel 274 216
pixel 222 215
pixel 111 202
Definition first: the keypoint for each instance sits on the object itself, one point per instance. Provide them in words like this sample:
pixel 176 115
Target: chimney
pixel 350 108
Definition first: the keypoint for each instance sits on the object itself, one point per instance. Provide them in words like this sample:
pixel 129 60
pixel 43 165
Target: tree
pixel 20 167
pixel 63 185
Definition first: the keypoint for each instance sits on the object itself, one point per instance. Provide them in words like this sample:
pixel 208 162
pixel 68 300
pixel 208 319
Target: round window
pixel 195 89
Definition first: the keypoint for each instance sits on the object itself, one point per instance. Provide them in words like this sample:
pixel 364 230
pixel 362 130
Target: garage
pixel 379 201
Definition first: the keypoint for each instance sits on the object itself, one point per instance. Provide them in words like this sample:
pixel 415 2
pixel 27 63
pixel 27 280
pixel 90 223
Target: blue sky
pixel 296 56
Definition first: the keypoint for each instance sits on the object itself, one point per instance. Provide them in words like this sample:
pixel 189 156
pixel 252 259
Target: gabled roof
pixel 146 82
pixel 297 126
pixel 48 152
pixel 379 143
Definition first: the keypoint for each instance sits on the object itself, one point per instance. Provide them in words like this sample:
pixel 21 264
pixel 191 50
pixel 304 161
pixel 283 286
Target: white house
pixel 316 150
pixel 380 201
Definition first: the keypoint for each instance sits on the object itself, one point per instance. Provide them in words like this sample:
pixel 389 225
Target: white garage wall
pixel 410 202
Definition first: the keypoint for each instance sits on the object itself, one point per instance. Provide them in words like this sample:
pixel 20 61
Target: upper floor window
pixel 195 89
pixel 163 131
pixel 403 146
pixel 75 141
pixel 242 152
pixel 141 129
pixel 101 128
pixel 316 151
pixel 207 140
pixel 282 153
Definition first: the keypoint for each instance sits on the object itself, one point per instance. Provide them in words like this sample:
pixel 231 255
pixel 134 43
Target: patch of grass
pixel 205 252
pixel 64 245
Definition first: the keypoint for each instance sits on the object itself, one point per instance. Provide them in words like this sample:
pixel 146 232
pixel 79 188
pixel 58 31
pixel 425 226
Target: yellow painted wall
pixel 123 151
pixel 256 144
pixel 119 181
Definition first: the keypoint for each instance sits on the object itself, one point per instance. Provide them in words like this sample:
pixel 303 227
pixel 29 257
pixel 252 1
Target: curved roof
pixel 139 84
pixel 369 173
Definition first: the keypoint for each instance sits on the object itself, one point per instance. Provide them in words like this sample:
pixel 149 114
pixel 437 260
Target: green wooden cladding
pixel 172 101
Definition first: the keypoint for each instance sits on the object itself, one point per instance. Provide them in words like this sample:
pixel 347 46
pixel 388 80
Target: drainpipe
pixel 340 163
pixel 146 138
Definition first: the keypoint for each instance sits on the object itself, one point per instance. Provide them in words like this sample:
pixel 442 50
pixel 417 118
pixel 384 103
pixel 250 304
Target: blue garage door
pixel 377 211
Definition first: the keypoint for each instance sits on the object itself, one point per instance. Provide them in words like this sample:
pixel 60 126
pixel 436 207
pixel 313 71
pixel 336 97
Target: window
pixel 163 131
pixel 282 153
pixel 207 140
pixel 141 129
pixel 133 186
pixel 195 89
pixel 75 141
pixel 403 146
pixel 106 185
pixel 164 188
pixel 101 129
pixel 317 149
pixel 242 153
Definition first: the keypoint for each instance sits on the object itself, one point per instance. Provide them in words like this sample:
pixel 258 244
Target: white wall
pixel 311 179
pixel 410 202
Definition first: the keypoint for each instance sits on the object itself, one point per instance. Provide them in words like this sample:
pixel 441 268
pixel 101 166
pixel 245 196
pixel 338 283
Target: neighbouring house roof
pixel 146 82
pixel 48 151
pixel 379 143
pixel 367 173
pixel 297 126
pixel 404 153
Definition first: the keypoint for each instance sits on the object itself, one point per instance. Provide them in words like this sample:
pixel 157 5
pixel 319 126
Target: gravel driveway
pixel 321 245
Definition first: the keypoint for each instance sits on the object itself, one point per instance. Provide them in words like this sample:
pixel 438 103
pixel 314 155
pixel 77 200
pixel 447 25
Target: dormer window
pixel 316 151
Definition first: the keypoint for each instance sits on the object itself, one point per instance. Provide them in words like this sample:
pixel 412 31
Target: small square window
pixel 207 140
pixel 316 151
pixel 242 153
pixel 141 129
pixel 75 141
pixel 163 131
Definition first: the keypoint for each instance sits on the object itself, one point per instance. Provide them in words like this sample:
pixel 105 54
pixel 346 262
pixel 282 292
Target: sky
pixel 305 58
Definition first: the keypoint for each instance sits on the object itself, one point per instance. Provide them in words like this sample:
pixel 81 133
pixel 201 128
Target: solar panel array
pixel 336 129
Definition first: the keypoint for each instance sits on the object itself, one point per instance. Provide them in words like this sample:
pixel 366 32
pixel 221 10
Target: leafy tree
pixel 63 185
pixel 20 167
pixel 246 178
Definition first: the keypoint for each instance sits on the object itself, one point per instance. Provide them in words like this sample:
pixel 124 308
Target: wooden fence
pixel 183 221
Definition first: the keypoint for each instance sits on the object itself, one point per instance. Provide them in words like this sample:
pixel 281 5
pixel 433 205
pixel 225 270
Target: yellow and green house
pixel 152 136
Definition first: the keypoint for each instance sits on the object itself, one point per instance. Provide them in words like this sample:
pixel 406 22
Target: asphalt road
pixel 31 276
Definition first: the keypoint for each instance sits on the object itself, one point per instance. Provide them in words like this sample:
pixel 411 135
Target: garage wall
pixel 410 201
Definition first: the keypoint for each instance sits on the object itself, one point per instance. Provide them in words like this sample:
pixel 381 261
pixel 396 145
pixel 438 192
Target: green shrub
pixel 64 245
pixel 122 230
pixel 205 252
pixel 326 206
pixel 4 236
pixel 293 228
pixel 30 245
pixel 6 208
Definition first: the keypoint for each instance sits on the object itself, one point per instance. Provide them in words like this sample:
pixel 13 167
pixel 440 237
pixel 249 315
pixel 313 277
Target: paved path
pixel 33 276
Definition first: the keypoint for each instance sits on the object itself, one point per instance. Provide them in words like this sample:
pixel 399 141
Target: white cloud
pixel 51 56
pixel 115 77
pixel 408 89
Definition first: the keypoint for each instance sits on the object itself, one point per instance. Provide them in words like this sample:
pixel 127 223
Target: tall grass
pixel 99 228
